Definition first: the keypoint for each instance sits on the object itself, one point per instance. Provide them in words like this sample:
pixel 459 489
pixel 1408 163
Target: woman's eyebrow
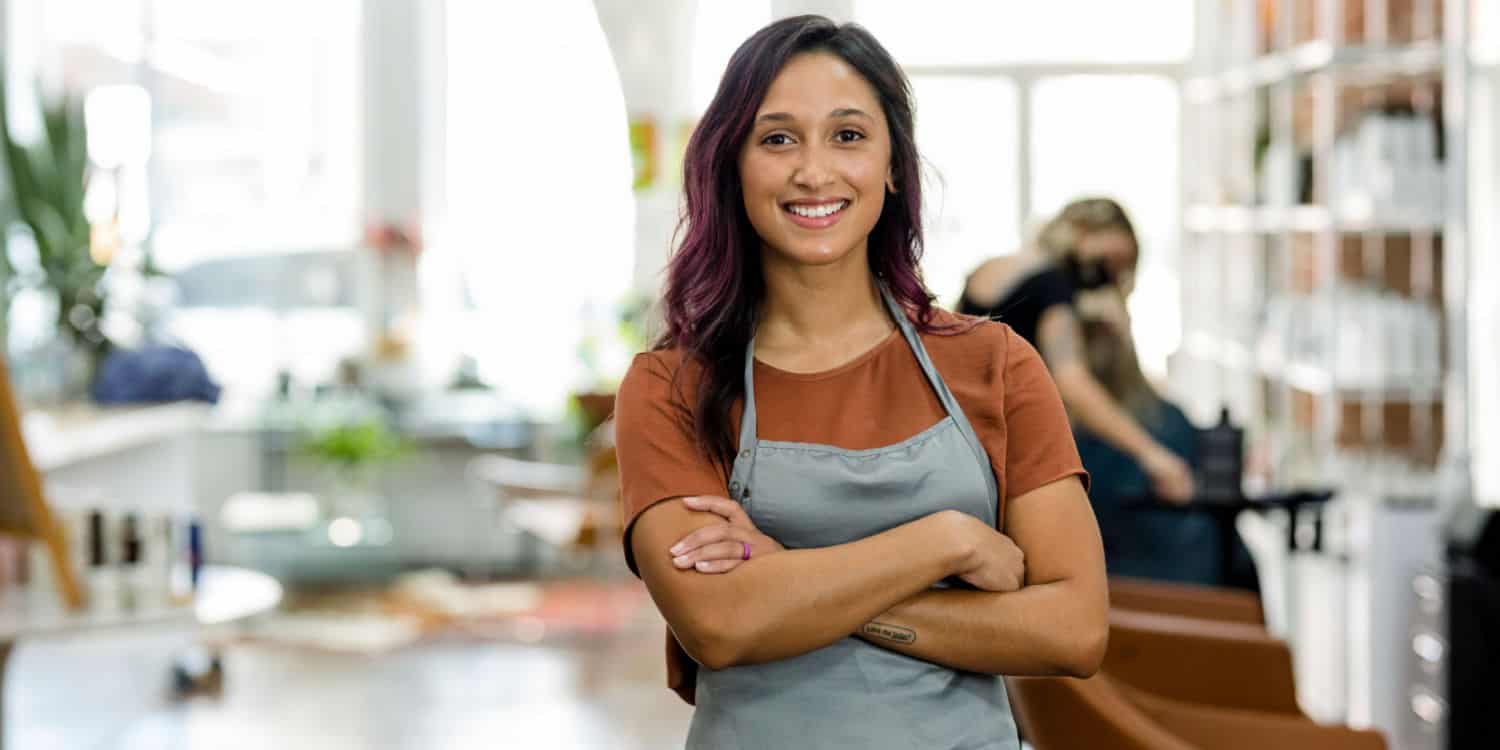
pixel 837 113
pixel 849 112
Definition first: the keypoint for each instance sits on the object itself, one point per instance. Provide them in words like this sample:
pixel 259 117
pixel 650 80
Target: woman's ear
pixel 890 182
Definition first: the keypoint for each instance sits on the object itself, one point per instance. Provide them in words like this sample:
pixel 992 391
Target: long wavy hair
pixel 715 288
pixel 1112 361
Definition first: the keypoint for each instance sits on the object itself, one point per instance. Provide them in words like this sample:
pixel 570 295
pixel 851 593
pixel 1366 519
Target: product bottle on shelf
pixel 1221 461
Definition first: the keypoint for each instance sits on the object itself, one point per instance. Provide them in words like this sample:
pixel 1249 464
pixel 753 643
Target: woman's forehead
pixel 818 85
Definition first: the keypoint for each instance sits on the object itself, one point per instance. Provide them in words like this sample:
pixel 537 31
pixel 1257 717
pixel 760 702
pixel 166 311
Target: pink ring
pixel 746 545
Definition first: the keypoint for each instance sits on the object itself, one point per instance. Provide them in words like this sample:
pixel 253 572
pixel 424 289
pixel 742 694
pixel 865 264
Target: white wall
pixel 652 47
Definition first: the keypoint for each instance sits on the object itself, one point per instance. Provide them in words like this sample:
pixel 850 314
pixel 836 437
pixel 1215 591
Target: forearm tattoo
pixel 892 633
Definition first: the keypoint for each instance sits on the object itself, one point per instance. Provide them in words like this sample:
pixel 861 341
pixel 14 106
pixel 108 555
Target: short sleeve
pixel 1051 287
pixel 658 452
pixel 1039 448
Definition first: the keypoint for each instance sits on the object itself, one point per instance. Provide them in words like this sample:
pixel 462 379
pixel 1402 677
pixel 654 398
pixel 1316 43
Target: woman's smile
pixel 815 214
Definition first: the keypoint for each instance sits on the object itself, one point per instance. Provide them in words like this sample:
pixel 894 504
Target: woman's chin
pixel 820 254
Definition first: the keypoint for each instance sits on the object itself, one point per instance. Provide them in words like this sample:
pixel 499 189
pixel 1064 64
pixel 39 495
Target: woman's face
pixel 1115 249
pixel 817 163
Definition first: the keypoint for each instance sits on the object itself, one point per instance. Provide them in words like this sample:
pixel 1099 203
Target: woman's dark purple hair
pixel 714 285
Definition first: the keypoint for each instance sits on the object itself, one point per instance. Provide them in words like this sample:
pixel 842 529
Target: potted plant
pixel 353 452
pixel 47 182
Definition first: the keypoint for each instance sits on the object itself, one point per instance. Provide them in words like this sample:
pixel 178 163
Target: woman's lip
pixel 814 201
pixel 810 222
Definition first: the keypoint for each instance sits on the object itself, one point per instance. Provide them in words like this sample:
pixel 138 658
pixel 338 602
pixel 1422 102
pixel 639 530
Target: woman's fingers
pixel 716 552
pixel 718 566
pixel 723 507
pixel 707 535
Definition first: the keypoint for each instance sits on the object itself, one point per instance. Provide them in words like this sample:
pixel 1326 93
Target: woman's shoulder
pixel 661 374
pixel 970 345
pixel 948 325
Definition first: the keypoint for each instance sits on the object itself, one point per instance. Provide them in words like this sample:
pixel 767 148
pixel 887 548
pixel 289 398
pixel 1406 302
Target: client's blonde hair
pixel 1059 236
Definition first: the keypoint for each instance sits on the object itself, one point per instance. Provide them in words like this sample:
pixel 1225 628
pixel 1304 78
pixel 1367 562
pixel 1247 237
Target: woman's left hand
pixel 720 548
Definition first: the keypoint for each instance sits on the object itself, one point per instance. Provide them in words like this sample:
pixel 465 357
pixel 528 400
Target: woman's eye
pixel 776 139
pixel 848 136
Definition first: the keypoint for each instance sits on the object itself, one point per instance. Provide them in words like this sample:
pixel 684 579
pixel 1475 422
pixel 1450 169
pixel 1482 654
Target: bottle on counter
pixel 102 578
pixel 186 558
pixel 156 561
pixel 132 588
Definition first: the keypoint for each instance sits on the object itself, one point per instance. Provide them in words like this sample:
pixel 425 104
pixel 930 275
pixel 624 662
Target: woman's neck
pixel 817 317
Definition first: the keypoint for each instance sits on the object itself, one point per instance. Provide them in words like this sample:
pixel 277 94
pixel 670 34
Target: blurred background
pixel 313 312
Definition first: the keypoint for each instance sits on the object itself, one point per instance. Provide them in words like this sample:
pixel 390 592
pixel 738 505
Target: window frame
pixel 1025 77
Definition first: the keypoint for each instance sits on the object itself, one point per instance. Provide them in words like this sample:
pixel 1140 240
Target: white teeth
pixel 818 212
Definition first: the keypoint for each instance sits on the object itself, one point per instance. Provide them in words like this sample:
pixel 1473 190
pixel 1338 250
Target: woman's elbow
pixel 1085 653
pixel 715 642
pixel 718 653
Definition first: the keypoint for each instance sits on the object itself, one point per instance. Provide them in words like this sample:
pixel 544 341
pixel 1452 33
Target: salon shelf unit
pixel 1339 161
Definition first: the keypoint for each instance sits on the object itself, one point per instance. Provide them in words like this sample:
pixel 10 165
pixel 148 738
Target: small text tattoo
pixel 894 633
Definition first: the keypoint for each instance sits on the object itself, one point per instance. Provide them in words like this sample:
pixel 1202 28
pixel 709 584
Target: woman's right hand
pixel 1170 476
pixel 991 561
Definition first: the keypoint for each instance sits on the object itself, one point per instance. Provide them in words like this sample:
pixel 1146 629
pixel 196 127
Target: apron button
pixel 745 453
pixel 734 488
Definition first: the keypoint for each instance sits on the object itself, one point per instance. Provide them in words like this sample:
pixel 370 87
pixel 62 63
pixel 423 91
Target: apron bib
pixel 851 693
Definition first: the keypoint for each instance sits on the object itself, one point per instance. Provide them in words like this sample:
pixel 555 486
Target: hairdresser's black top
pixel 1021 308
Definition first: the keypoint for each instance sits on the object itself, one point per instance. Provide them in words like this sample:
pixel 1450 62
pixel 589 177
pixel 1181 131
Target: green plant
pixel 354 448
pixel 47 181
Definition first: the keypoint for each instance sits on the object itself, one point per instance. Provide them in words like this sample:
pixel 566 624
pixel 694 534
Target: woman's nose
pixel 813 171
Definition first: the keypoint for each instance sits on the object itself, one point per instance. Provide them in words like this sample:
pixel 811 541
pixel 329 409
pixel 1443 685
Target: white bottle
pixel 157 558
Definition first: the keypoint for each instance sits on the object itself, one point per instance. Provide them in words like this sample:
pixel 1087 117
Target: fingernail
pixel 691 499
pixel 677 550
pixel 680 561
pixel 702 565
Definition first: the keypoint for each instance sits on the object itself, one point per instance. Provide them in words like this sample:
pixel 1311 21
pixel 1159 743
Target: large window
pixel 538 178
pixel 254 130
pixel 224 137
pixel 1118 136
pixel 1022 107
pixel 966 132
pixel 984 32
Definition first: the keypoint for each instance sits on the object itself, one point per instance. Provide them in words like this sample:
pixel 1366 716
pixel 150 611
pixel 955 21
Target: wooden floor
pixel 605 693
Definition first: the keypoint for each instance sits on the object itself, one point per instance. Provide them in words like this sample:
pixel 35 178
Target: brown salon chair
pixel 1237 729
pixel 1187 600
pixel 1230 665
pixel 1061 713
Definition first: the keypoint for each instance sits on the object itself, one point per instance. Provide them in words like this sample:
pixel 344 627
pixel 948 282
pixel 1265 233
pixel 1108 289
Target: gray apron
pixel 853 694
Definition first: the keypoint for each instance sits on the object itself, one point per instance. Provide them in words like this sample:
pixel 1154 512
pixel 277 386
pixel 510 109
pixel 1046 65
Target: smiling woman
pixel 810 417
pixel 804 171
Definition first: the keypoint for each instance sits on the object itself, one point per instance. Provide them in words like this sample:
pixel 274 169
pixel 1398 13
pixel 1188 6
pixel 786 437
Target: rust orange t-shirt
pixel 879 398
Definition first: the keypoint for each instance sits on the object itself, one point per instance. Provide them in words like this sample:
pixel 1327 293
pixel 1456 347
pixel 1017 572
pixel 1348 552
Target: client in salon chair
pixel 1143 536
